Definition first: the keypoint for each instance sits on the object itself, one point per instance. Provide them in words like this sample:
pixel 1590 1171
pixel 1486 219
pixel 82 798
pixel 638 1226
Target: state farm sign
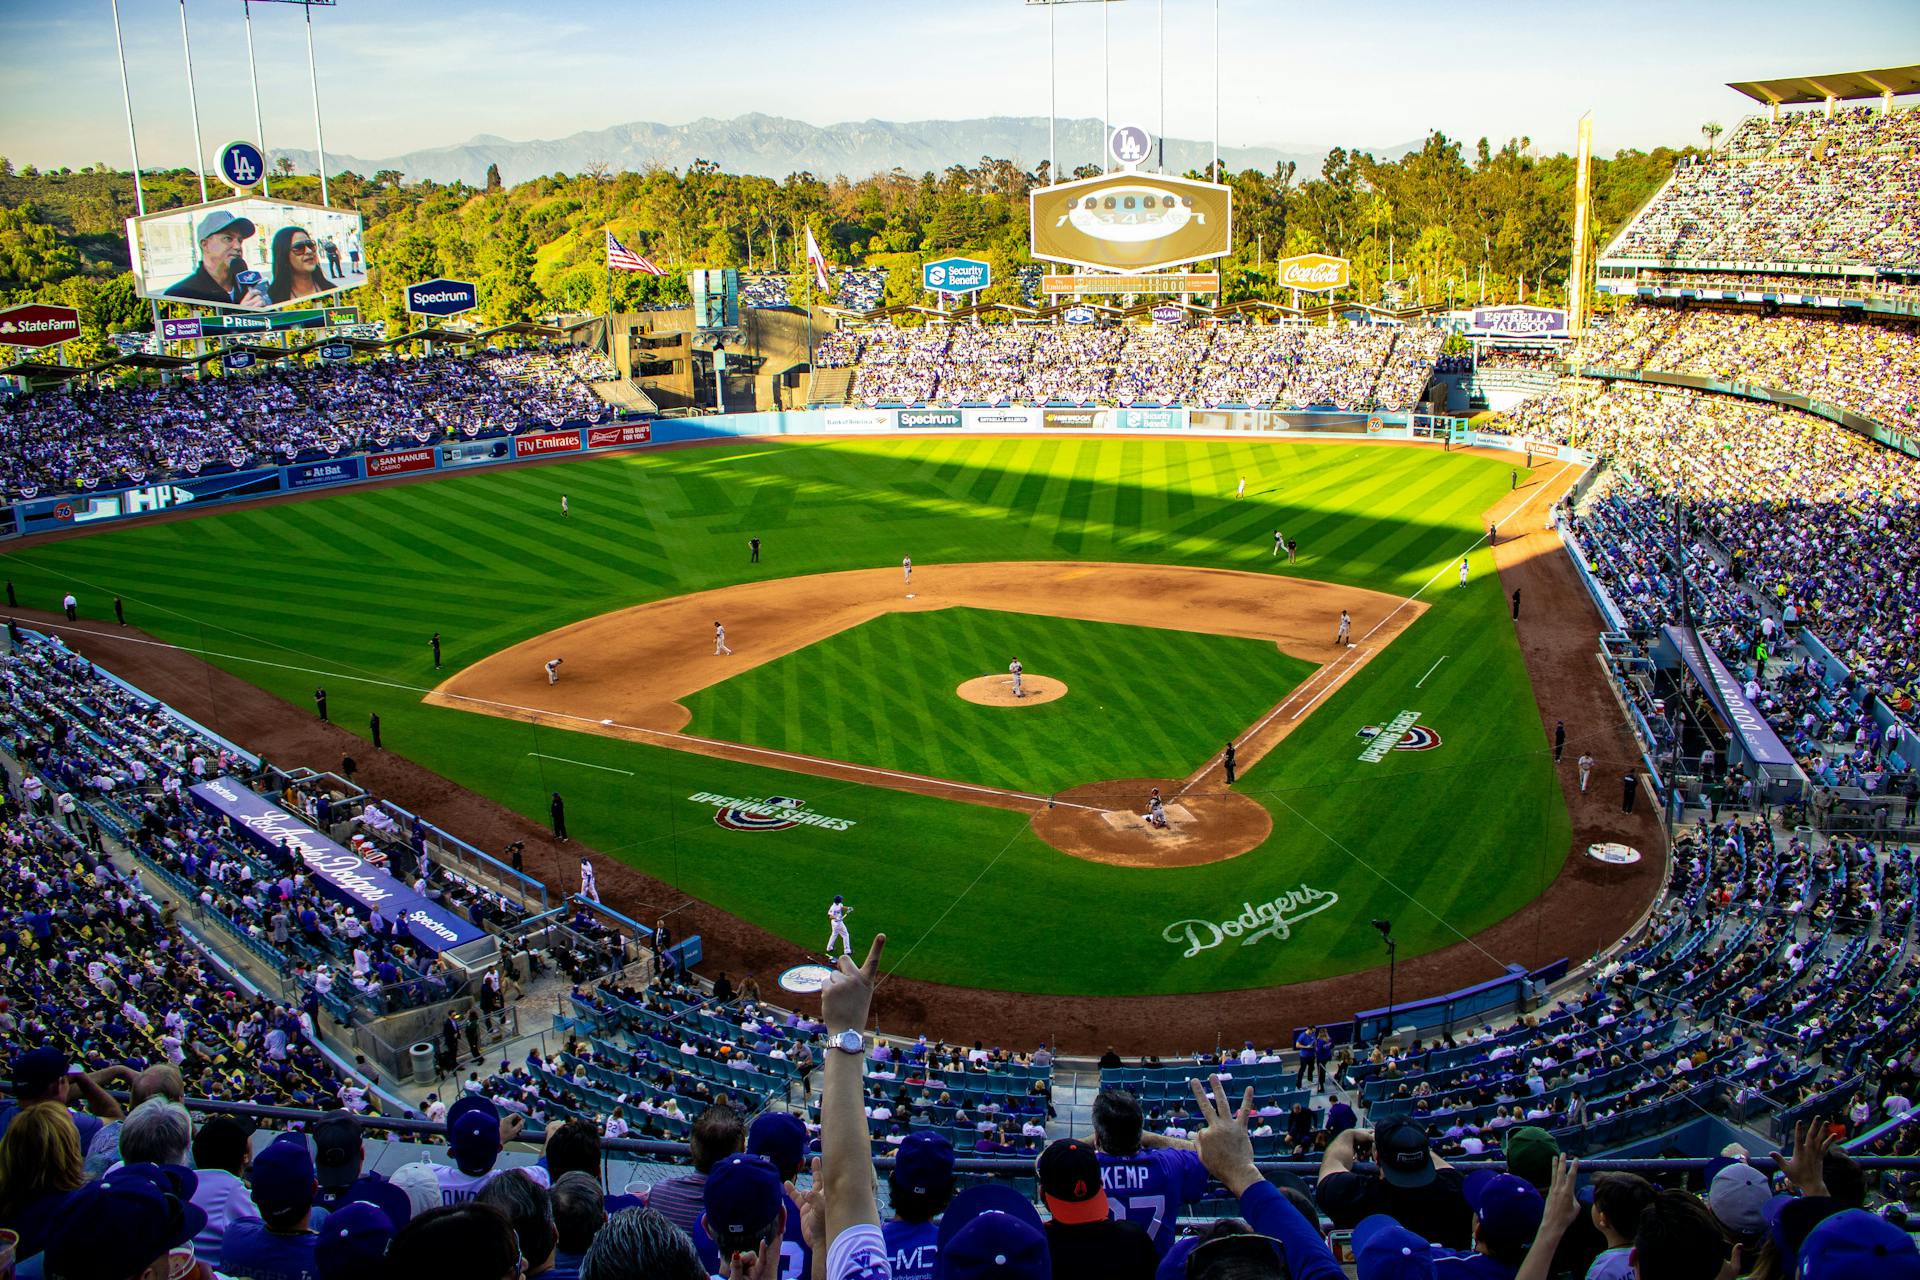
pixel 1314 272
pixel 38 325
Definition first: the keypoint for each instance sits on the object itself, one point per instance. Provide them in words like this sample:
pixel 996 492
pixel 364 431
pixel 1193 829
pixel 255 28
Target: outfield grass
pixel 345 590
pixel 1142 702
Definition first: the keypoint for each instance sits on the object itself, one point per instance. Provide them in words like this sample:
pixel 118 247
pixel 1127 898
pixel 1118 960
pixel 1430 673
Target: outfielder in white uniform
pixel 553 670
pixel 1346 625
pixel 906 569
pixel 589 887
pixel 563 504
pixel 720 640
pixel 837 919
pixel 1241 492
pixel 1017 669
pixel 1463 571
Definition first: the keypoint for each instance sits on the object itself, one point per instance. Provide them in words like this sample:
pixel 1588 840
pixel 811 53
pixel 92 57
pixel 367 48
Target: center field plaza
pixel 1456 829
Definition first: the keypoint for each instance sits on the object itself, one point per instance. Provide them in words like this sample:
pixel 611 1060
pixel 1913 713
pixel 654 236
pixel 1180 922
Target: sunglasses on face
pixel 301 246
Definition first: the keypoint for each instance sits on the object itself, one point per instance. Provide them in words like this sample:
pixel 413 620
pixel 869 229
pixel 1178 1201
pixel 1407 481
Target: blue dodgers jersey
pixel 912 1246
pixel 1150 1186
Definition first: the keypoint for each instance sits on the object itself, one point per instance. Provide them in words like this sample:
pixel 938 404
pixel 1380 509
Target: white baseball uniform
pixel 1017 669
pixel 1241 492
pixel 906 569
pixel 563 504
pixel 1346 624
pixel 1279 541
pixel 589 887
pixel 720 640
pixel 1463 571
pixel 553 671
pixel 837 919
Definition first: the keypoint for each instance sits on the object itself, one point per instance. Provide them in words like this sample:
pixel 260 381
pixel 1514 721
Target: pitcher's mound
pixel 997 691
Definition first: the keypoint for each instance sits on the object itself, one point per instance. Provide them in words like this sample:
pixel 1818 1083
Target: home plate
pixel 1127 820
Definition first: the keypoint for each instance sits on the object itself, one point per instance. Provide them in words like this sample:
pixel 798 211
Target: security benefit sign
pixel 1131 222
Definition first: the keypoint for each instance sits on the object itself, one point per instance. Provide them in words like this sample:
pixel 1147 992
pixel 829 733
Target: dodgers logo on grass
pixel 766 813
pixel 1271 919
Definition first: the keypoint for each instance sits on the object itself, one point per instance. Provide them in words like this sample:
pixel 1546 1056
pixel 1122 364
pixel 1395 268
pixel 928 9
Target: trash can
pixel 422 1053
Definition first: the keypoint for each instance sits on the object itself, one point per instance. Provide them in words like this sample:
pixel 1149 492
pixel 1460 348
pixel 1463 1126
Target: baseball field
pixel 975 834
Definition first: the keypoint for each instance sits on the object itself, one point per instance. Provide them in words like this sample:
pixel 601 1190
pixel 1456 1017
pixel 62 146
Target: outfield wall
pixel 112 506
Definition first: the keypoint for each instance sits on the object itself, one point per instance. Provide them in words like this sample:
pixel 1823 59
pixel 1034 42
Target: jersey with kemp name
pixel 1149 1187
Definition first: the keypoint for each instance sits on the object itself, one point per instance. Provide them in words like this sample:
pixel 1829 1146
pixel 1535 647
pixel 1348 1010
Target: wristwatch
pixel 849 1041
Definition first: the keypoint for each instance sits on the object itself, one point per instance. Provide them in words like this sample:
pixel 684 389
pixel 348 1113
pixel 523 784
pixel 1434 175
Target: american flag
pixel 621 258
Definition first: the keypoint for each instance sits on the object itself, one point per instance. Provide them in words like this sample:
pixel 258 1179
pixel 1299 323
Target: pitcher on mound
pixel 1019 691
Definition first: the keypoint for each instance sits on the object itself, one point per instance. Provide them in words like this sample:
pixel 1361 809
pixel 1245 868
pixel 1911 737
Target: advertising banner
pixel 119 504
pixel 1723 688
pixel 1130 221
pixel 1162 282
pixel 1077 315
pixel 625 433
pixel 1314 272
pixel 221 326
pixel 247 254
pixel 468 453
pixel 38 325
pixel 546 442
pixel 956 275
pixel 936 419
pixel 1147 419
pixel 180 330
pixel 336 351
pixel 237 360
pixel 1169 314
pixel 856 419
pixel 1009 419
pixel 1070 418
pixel 400 463
pixel 342 873
pixel 305 475
pixel 1519 322
pixel 438 297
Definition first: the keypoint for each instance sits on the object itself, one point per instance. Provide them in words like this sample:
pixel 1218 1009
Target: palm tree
pixel 1711 130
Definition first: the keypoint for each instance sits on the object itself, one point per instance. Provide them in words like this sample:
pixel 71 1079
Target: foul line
pixel 668 738
pixel 1430 670
pixel 582 763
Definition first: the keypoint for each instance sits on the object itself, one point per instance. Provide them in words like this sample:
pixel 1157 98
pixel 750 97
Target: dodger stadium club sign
pixel 766 813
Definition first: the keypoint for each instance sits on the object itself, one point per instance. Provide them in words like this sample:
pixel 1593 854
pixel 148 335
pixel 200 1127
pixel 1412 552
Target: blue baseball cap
pixel 924 1164
pixel 743 1195
pixel 1509 1208
pixel 147 1210
pixel 781 1137
pixel 1385 1250
pixel 353 1240
pixel 1790 1219
pixel 371 1188
pixel 1857 1245
pixel 473 1133
pixel 992 1232
pixel 283 1176
pixel 35 1069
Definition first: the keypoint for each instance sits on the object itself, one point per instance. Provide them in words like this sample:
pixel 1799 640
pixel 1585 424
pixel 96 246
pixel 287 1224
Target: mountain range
pixel 774 147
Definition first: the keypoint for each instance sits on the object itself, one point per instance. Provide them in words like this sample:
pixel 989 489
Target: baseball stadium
pixel 1194 720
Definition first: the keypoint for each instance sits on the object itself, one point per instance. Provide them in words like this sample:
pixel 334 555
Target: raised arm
pixel 846 1146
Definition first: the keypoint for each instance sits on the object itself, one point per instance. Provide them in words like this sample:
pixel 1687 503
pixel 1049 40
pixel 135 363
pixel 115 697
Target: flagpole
pixel 606 252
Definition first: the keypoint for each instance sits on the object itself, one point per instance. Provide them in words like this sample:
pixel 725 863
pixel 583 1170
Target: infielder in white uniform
pixel 837 919
pixel 1279 541
pixel 1346 625
pixel 553 670
pixel 1463 571
pixel 906 569
pixel 589 887
pixel 1017 669
pixel 720 640
pixel 1241 492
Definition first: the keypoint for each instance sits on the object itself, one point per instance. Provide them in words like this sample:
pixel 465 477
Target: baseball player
pixel 1019 691
pixel 563 504
pixel 1279 543
pixel 1586 771
pixel 553 670
pixel 1346 625
pixel 837 920
pixel 1463 571
pixel 1241 492
pixel 720 640
pixel 589 887
pixel 906 569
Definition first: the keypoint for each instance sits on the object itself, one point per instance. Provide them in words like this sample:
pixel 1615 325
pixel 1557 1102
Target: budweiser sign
pixel 1314 272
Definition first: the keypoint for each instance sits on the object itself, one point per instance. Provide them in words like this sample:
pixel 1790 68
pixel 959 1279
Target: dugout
pixel 1690 675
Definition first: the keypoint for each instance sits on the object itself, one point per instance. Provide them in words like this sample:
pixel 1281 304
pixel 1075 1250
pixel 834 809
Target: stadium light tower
pixel 313 81
pixel 1053 80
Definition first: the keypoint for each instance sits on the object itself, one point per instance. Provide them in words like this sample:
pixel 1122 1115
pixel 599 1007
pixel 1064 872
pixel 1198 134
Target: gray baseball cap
pixel 220 220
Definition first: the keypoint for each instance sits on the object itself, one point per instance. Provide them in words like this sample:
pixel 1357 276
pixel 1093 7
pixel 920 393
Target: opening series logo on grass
pixel 766 813
pixel 1400 734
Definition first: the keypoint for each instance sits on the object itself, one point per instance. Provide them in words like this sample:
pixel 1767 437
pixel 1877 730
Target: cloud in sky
pixel 398 75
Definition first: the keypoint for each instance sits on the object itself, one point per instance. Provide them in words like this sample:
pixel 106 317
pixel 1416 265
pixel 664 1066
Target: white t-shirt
pixel 859 1253
pixel 458 1188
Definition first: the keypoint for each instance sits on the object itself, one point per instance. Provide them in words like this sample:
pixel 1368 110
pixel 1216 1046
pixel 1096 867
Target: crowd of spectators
pixel 76 437
pixel 1869 364
pixel 1346 367
pixel 1799 522
pixel 1806 188
pixel 1819 284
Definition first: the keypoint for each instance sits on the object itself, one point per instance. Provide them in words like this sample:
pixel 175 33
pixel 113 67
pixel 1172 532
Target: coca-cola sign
pixel 1314 272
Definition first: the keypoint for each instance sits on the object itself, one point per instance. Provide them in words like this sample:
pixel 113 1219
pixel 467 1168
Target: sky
pixel 401 75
